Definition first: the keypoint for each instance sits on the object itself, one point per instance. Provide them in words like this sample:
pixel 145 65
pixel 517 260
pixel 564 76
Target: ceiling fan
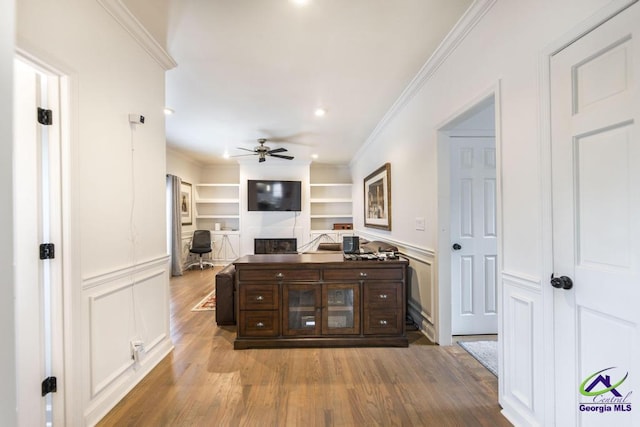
pixel 263 151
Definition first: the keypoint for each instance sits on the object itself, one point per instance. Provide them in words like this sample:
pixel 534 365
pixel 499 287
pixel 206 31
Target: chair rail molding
pixel 134 27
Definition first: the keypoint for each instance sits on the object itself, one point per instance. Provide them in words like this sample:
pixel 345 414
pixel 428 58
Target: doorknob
pixel 456 247
pixel 562 282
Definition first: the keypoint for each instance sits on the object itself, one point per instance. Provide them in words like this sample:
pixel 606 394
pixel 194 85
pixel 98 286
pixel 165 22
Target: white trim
pixel 443 266
pixel 465 24
pixel 125 271
pixel 130 23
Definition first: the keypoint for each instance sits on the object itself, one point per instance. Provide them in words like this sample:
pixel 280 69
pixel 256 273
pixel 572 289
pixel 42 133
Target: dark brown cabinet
pixel 319 300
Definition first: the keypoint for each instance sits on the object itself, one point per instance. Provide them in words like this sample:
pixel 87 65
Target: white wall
pixel 504 47
pixel 119 281
pixel 7 336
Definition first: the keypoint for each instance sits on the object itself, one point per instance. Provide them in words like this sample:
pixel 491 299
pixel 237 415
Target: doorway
pixel 468 218
pixel 37 244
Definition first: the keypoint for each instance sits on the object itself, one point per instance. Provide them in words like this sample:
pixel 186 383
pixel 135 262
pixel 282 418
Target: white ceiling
pixel 251 69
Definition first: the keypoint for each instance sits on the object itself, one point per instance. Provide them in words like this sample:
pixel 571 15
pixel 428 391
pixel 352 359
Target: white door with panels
pixel 473 236
pixel 595 148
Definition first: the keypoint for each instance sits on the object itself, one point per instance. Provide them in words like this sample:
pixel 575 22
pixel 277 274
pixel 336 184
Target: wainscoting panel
pixel 122 306
pixel 523 343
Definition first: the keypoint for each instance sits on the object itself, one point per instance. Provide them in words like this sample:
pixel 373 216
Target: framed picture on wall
pixel 377 198
pixel 186 211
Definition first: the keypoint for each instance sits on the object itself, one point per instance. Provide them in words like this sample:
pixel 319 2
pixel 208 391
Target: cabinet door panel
pixel 341 309
pixel 301 309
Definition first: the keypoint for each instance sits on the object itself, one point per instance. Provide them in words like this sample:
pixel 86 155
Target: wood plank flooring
pixel 204 382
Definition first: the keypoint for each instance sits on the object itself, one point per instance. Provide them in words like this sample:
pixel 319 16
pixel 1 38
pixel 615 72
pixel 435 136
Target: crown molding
pixel 130 23
pixel 463 27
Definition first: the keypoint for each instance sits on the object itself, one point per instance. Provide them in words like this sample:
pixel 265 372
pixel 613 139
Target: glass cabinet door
pixel 301 309
pixel 341 309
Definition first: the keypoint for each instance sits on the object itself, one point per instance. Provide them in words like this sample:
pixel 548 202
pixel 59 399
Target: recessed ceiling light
pixel 314 156
pixel 226 154
pixel 299 2
pixel 168 111
pixel 320 112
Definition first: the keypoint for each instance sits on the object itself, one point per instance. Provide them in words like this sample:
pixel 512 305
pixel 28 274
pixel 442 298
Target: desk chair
pixel 200 244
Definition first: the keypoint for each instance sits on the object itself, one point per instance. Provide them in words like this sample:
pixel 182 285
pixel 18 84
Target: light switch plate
pixel 420 223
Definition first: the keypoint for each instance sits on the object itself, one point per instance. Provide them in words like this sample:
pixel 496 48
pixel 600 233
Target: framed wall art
pixel 186 211
pixel 377 198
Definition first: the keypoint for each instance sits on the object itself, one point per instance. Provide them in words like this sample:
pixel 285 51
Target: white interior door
pixel 473 236
pixel 36 221
pixel 595 108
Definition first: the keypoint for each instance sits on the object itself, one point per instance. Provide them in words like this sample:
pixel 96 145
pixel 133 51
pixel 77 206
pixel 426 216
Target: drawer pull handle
pixel 363 274
pixel 259 325
pixel 259 298
pixel 279 276
pixel 383 322
pixel 383 296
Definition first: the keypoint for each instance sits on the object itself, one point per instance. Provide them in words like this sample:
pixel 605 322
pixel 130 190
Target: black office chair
pixel 201 244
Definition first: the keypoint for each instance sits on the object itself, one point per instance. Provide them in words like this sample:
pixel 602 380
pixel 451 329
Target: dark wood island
pixel 320 300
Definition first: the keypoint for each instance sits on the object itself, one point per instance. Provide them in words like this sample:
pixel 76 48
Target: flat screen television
pixel 274 195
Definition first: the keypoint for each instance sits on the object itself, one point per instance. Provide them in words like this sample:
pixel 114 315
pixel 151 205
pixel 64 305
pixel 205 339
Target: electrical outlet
pixel 137 350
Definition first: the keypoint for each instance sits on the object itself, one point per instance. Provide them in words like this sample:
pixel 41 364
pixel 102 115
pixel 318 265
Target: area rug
pixel 485 352
pixel 207 303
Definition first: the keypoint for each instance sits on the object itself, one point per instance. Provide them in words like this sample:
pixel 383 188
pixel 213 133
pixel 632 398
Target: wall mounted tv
pixel 274 195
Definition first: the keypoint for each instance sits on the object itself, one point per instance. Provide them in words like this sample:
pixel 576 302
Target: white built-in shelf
pixel 330 203
pixel 217 203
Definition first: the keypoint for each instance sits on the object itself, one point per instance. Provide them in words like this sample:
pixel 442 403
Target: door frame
pixel 443 257
pixel 67 409
pixel 575 33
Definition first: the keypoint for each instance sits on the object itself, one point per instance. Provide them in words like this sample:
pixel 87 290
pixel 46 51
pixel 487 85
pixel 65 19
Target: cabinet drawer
pixel 259 324
pixel 363 273
pixel 279 275
pixel 383 295
pixel 383 322
pixel 259 297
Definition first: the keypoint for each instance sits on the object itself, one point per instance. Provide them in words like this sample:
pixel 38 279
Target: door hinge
pixel 49 385
pixel 47 251
pixel 45 117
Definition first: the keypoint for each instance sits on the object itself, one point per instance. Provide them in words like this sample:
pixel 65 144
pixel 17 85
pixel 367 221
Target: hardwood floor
pixel 204 382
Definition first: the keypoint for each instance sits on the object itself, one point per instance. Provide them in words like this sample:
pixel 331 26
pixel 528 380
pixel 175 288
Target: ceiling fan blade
pixel 244 155
pixel 277 150
pixel 281 156
pixel 245 149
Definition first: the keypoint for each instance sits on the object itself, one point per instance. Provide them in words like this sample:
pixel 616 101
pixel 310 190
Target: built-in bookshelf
pixel 217 208
pixel 331 204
